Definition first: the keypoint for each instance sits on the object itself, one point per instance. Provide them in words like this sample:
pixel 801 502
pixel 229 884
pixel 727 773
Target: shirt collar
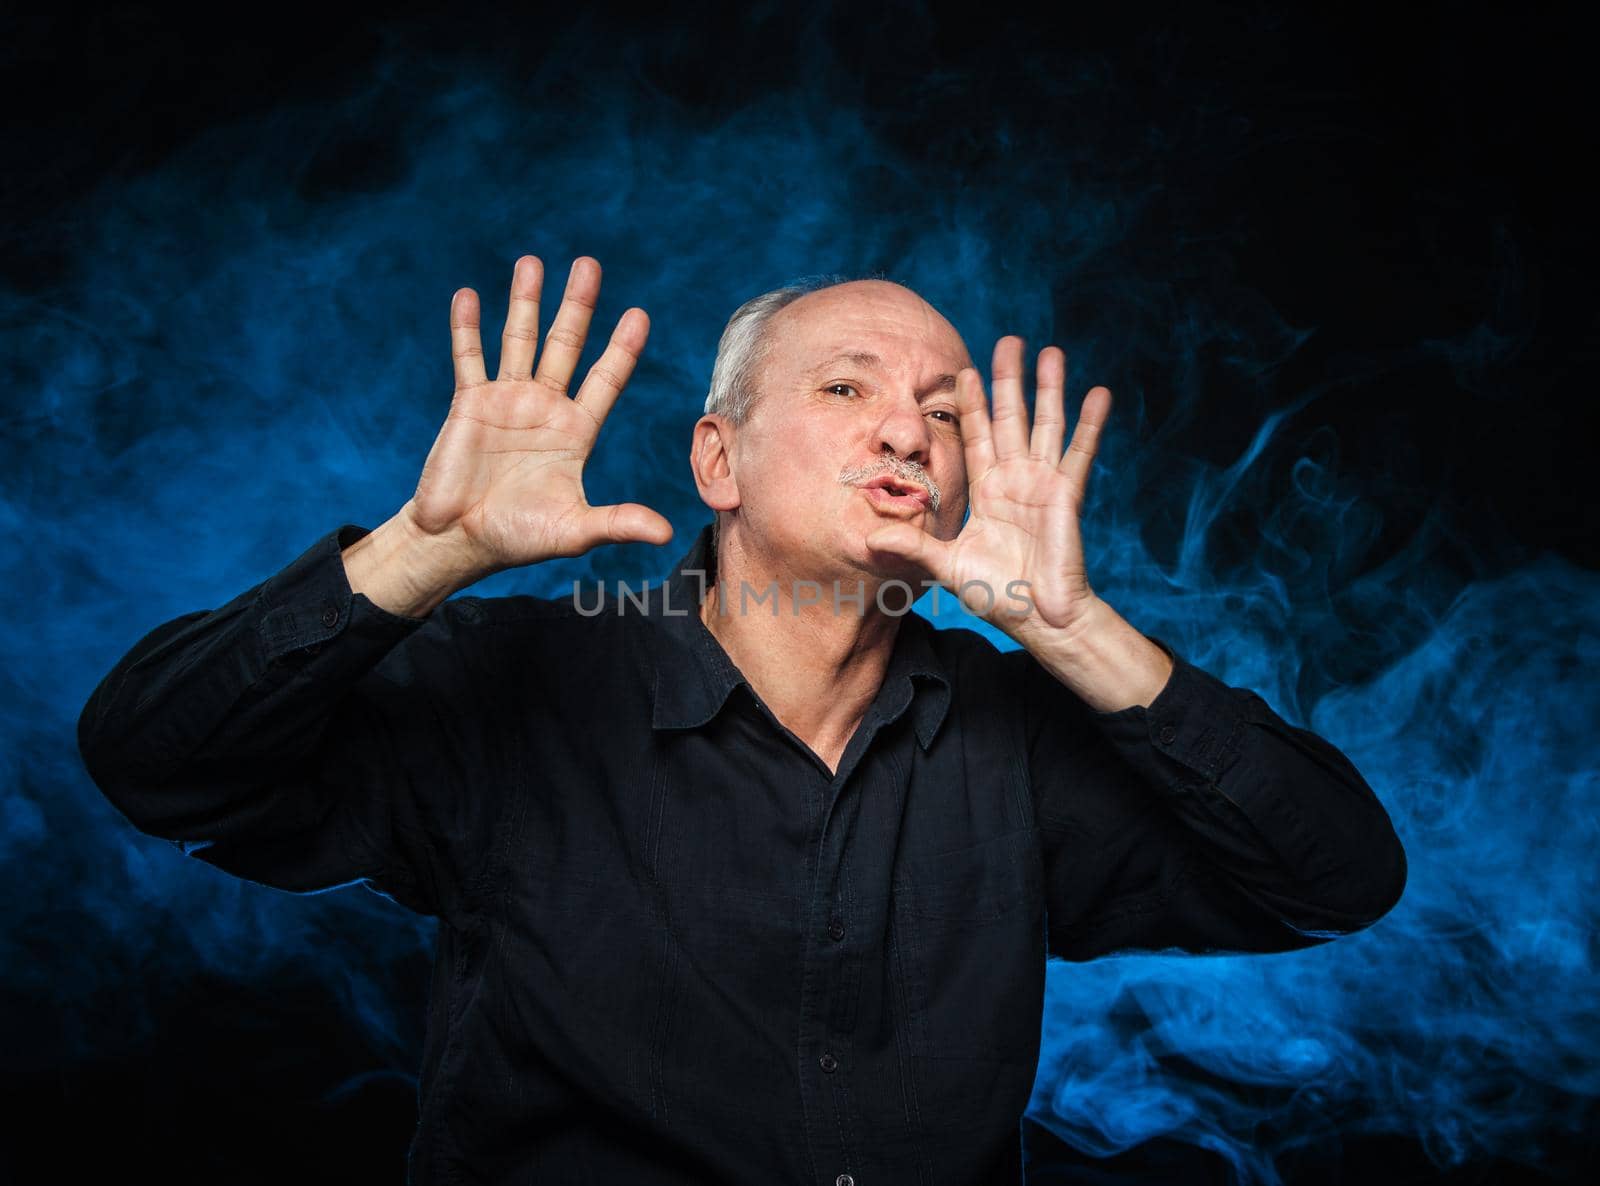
pixel 695 676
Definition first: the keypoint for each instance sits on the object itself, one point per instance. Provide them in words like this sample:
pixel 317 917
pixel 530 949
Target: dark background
pixel 1372 232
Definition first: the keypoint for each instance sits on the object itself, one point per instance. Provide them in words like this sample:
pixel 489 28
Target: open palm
pixel 504 478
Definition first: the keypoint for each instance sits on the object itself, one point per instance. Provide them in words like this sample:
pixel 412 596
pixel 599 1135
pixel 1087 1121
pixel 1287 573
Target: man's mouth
pixel 898 491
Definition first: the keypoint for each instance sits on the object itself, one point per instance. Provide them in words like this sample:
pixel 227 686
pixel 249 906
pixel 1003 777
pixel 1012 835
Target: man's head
pixel 819 391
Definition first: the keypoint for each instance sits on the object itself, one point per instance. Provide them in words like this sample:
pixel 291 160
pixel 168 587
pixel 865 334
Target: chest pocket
pixel 971 922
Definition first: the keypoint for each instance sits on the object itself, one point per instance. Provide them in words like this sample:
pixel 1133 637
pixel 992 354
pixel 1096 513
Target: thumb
pixel 624 522
pixel 913 544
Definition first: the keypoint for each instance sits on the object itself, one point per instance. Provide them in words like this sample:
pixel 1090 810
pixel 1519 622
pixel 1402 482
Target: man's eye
pixel 839 388
pixel 949 417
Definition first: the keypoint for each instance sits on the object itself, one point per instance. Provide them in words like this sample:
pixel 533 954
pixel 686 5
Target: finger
pixel 611 372
pixel 564 343
pixel 465 348
pixel 521 334
pixel 1075 462
pixel 1010 424
pixel 914 544
pixel 977 444
pixel 623 522
pixel 1049 410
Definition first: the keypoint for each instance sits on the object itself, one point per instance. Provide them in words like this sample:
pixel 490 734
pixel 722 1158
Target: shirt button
pixel 844 1180
pixel 836 930
pixel 330 616
pixel 828 1063
pixel 1168 733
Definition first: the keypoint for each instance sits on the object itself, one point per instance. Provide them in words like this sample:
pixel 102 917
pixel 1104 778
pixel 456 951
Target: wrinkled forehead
pixel 873 319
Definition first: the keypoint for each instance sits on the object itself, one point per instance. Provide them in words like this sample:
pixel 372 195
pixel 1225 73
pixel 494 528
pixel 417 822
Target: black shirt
pixel 672 946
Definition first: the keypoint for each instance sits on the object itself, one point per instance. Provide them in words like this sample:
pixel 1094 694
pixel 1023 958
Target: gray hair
pixel 744 345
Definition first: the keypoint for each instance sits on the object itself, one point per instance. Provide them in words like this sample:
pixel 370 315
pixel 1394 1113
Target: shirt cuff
pixel 309 603
pixel 1192 727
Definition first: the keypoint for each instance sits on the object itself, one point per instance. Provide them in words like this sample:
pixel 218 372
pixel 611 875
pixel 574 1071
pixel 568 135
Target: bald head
pixel 747 341
pixel 834 324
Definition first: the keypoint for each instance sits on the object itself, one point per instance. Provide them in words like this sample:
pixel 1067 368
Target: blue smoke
pixel 250 347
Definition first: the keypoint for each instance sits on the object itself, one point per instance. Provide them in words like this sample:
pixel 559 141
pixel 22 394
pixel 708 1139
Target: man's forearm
pixel 403 570
pixel 1282 811
pixel 201 725
pixel 1104 660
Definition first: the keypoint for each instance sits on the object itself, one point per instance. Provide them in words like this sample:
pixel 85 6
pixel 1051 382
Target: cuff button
pixel 330 616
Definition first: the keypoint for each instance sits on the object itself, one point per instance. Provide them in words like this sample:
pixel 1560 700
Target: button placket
pixel 835 974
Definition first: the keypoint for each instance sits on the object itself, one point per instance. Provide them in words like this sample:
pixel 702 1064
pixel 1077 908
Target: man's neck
pixel 817 667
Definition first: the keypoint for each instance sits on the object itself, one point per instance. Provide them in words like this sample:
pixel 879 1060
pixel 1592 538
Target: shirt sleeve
pixel 300 736
pixel 1202 821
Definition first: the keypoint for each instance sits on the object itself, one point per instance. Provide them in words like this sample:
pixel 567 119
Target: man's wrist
pixel 404 571
pixel 1104 660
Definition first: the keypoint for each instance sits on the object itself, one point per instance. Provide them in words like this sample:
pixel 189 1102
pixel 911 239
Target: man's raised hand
pixel 503 483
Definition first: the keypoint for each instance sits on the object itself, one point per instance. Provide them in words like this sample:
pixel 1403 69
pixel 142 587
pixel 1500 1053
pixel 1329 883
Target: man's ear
pixel 711 459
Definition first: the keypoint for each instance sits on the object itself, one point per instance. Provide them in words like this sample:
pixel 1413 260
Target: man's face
pixel 858 385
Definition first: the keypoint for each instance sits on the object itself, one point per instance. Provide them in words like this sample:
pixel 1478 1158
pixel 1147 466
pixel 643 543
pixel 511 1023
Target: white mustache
pixel 905 471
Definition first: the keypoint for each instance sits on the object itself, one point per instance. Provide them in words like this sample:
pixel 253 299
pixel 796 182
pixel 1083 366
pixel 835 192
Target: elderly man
pixel 753 879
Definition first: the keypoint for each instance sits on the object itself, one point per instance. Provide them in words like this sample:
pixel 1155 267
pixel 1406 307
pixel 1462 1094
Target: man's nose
pixel 903 431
